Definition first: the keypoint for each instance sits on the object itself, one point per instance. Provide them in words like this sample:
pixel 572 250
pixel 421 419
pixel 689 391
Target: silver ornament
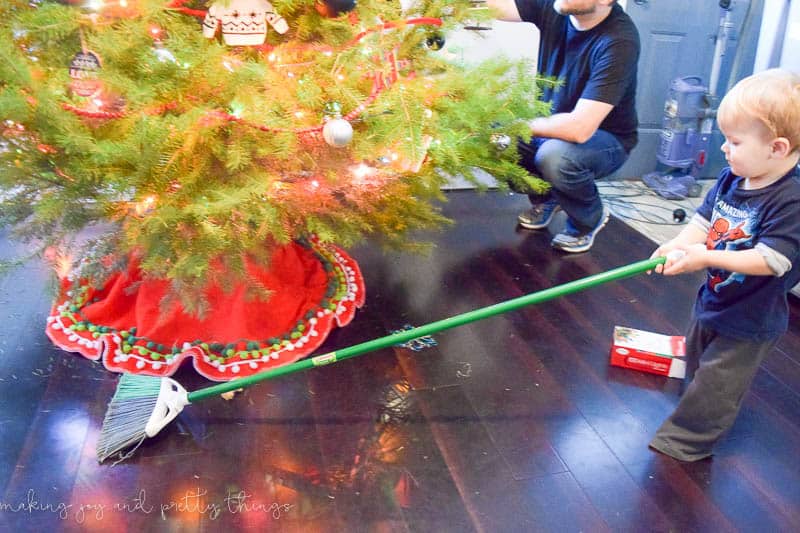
pixel 332 110
pixel 501 141
pixel 337 132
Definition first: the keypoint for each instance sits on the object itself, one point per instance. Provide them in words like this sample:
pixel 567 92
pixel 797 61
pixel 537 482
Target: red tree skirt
pixel 312 285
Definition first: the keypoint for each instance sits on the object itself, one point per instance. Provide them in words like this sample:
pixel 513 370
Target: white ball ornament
pixel 501 141
pixel 337 132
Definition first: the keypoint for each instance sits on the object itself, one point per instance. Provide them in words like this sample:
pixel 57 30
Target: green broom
pixel 143 405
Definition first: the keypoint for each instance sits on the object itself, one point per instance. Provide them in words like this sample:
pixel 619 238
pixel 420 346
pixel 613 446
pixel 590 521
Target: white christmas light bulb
pixel 362 171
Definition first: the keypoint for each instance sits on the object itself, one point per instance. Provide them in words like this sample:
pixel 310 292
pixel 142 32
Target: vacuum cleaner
pixel 688 122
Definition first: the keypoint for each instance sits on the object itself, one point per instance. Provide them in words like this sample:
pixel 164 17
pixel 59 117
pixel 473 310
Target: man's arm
pixel 576 126
pixel 505 10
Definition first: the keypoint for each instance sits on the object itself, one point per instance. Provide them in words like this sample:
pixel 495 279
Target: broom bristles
pixel 127 415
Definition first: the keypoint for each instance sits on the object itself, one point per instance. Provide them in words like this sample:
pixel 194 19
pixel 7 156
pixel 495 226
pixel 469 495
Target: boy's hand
pixel 664 250
pixel 693 258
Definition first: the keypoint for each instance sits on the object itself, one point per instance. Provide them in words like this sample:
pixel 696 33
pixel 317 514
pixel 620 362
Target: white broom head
pixel 140 408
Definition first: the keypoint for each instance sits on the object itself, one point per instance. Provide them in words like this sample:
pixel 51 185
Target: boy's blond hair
pixel 771 97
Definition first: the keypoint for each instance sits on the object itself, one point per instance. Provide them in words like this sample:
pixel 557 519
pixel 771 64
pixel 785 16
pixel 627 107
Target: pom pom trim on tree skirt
pixel 314 286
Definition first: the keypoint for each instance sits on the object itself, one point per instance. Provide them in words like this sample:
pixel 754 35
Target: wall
pixel 791 58
pixel 510 39
pixel 780 33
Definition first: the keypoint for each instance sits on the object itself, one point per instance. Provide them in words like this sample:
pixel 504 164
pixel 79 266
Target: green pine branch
pixel 182 184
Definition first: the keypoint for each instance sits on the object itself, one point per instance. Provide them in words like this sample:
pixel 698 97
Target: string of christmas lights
pixel 380 83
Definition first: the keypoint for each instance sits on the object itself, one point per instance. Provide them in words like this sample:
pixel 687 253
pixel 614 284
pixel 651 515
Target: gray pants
pixel 725 367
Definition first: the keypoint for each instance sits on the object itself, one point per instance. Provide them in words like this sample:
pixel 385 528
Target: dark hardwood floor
pixel 513 423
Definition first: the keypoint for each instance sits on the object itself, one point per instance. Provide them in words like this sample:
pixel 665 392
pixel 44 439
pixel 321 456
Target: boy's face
pixel 747 149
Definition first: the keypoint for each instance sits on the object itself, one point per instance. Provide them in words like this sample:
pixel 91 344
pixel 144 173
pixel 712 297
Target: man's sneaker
pixel 539 215
pixel 572 240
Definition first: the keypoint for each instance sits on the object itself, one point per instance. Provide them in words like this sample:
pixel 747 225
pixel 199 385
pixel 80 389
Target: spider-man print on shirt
pixel 731 229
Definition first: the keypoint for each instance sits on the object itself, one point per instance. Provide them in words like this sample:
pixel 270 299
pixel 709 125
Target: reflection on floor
pixel 513 423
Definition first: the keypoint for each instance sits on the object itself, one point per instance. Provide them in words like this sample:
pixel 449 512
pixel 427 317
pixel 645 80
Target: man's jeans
pixel 571 169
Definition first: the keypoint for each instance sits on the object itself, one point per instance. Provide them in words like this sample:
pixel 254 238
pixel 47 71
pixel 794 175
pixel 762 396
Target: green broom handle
pixel 434 327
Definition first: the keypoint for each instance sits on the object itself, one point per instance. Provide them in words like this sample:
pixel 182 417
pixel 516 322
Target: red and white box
pixel 649 352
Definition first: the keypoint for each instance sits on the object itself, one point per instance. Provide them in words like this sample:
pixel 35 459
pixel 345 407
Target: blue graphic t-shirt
pixel 744 306
pixel 597 64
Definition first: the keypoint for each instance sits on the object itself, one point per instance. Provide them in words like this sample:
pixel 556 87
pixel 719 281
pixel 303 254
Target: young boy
pixel 747 235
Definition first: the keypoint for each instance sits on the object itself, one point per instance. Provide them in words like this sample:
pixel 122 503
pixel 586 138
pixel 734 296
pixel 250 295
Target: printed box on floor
pixel 649 352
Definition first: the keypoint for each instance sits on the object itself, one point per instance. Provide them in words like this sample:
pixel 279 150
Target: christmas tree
pixel 197 137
